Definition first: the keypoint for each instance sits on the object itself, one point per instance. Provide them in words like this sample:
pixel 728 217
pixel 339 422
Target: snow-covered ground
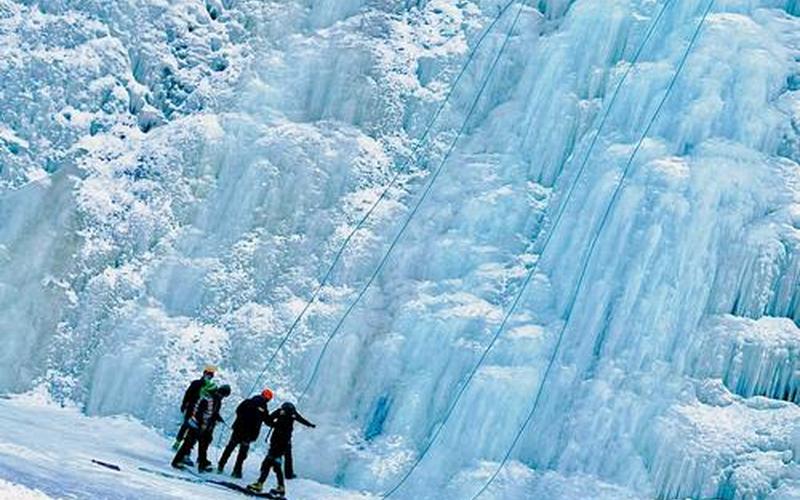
pixel 47 450
pixel 19 492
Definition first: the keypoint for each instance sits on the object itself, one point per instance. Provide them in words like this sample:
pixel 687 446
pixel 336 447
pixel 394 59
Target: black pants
pixel 244 448
pixel 184 427
pixel 288 462
pixel 203 438
pixel 272 463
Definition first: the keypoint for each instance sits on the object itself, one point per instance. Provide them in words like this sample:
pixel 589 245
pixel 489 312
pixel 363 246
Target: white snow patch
pixel 19 492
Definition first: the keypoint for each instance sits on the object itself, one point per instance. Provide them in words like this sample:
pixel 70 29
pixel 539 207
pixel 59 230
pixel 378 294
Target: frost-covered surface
pixel 73 70
pixel 177 176
pixel 752 357
pixel 726 446
pixel 11 490
pixel 52 448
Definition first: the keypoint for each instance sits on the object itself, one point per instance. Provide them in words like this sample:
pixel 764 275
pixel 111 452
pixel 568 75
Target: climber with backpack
pixel 205 415
pixel 251 414
pixel 190 398
pixel 280 442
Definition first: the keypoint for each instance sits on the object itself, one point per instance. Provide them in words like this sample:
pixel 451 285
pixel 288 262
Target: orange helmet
pixel 267 394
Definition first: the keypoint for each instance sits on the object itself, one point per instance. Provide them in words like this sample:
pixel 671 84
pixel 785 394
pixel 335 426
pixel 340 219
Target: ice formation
pixel 176 177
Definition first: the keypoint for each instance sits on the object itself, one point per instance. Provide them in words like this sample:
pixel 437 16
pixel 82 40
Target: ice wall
pixel 192 204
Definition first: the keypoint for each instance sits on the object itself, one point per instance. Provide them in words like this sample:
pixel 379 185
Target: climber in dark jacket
pixel 251 414
pixel 280 442
pixel 205 415
pixel 190 398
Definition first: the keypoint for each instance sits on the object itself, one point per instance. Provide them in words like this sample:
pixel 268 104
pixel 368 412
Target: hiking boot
pixel 188 462
pixel 237 474
pixel 220 469
pixel 205 468
pixel 177 465
pixel 257 486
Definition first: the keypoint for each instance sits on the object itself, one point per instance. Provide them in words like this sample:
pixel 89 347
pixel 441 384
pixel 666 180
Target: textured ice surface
pixel 177 176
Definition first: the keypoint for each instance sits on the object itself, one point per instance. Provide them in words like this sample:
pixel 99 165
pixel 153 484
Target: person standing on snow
pixel 190 398
pixel 251 414
pixel 205 415
pixel 280 441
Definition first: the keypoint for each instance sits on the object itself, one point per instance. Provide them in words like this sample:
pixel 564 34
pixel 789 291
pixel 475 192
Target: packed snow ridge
pixel 177 177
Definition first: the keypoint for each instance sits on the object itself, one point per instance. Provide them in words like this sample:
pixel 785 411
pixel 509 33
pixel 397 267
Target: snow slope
pixel 52 448
pixel 11 490
pixel 182 198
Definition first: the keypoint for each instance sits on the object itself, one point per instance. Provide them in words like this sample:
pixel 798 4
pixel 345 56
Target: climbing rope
pixel 408 160
pixel 416 206
pixel 532 271
pixel 582 276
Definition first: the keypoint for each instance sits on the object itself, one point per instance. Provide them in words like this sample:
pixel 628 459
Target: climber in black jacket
pixel 280 442
pixel 190 398
pixel 251 414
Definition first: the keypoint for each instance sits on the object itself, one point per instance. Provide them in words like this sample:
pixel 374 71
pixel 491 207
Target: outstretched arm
pixel 302 420
pixel 270 418
pixel 267 418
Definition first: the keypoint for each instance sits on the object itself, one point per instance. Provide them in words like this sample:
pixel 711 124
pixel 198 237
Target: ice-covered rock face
pixel 177 178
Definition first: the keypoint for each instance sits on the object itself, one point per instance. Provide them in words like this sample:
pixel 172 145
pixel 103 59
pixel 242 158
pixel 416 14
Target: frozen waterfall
pixel 177 177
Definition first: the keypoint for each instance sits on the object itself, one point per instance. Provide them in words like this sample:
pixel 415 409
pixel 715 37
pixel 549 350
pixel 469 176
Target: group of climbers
pixel 201 406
